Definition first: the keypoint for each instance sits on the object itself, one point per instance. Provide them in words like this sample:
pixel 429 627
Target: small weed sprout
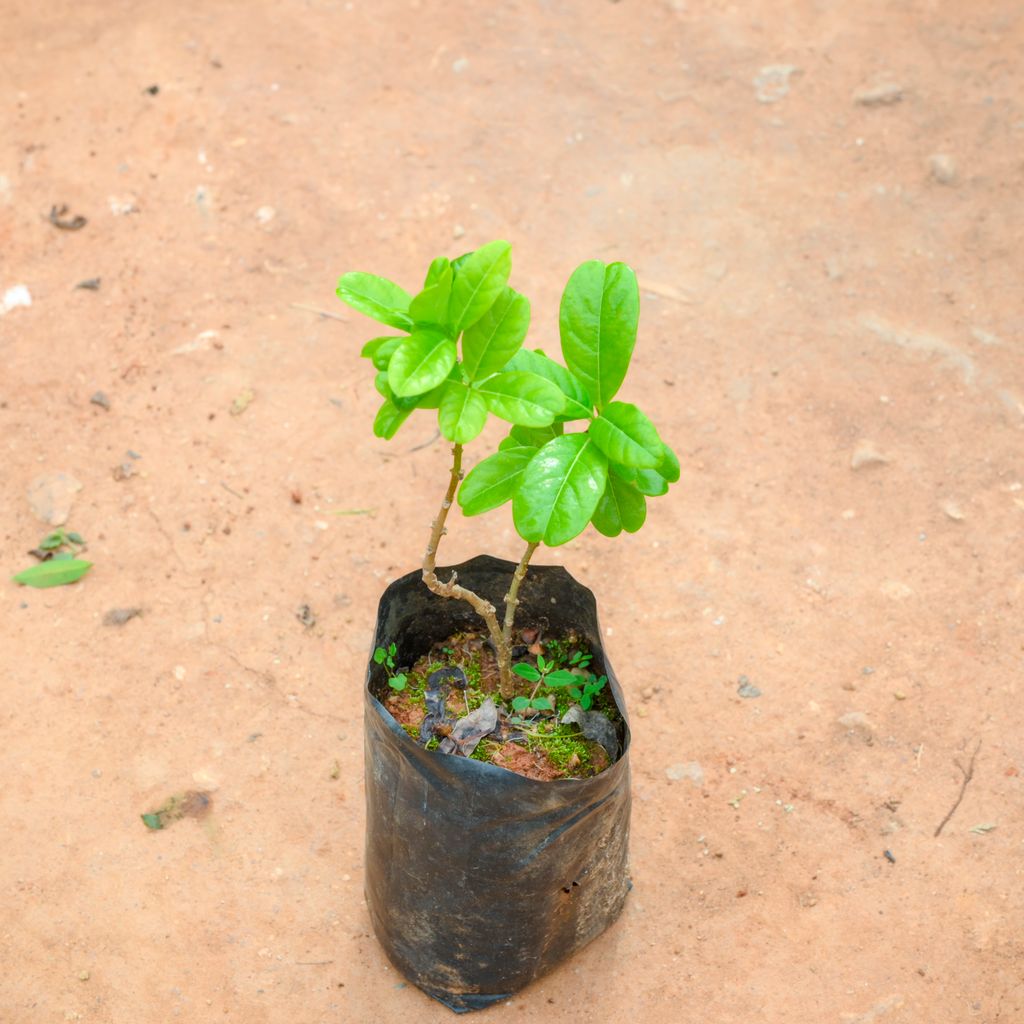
pixel 386 657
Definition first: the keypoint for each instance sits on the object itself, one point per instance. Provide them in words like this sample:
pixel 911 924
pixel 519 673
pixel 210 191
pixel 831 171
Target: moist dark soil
pixel 534 743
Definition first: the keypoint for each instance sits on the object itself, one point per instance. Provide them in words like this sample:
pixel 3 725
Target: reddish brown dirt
pixel 810 287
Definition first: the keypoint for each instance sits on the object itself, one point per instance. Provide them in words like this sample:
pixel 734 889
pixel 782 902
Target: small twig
pixel 58 220
pixel 312 963
pixel 231 491
pixel 968 774
pixel 319 312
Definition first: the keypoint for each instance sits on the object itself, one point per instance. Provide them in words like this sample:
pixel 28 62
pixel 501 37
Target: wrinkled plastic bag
pixel 478 880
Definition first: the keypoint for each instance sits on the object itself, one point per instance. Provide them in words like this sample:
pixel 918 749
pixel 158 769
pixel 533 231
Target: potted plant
pixel 481 875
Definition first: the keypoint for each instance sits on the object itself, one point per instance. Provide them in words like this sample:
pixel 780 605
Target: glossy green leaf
pixel 380 350
pixel 522 398
pixel 622 507
pixel 479 279
pixel 531 437
pixel 76 538
pixel 496 337
pixel 152 821
pixel 380 382
pixel 420 363
pixel 651 483
pixel 627 436
pixel 520 703
pixel 526 671
pixel 492 482
pixel 431 305
pixel 389 418
pixel 377 297
pixel 462 412
pixel 541 704
pixel 577 402
pixel 54 573
pixel 397 682
pixel 669 465
pixel 560 490
pixel 379 655
pixel 597 320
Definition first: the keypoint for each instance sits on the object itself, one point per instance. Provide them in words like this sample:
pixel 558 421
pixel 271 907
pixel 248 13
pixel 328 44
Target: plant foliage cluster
pixel 574 454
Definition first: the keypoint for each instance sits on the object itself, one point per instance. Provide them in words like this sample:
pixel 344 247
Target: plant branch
pixel 452 588
pixel 512 598
pixel 968 774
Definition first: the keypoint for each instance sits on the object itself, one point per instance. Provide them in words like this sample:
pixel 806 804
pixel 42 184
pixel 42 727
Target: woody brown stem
pixel 452 588
pixel 511 602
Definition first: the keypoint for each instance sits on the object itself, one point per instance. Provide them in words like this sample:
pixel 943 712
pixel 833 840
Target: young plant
pixel 545 674
pixel 386 657
pixel 574 455
pixel 58 561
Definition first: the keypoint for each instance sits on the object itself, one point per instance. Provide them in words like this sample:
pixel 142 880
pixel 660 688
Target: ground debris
pixel 195 803
pixel 470 730
pixel 51 497
pixel 119 616
pixel 59 219
pixel 100 398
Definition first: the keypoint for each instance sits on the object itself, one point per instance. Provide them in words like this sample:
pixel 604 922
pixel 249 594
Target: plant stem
pixel 511 602
pixel 452 588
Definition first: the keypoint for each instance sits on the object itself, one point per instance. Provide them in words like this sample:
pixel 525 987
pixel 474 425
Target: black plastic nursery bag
pixel 479 880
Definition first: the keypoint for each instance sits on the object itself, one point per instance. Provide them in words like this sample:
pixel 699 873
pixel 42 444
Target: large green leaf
pixel 480 278
pixel 462 412
pixel 627 436
pixel 380 350
pixel 522 398
pixel 532 437
pixel 377 297
pixel 669 465
pixel 577 402
pixel 496 337
pixel 622 507
pixel 53 573
pixel 389 418
pixel 420 363
pixel 492 482
pixel 560 490
pixel 597 321
pixel 431 305
pixel 646 481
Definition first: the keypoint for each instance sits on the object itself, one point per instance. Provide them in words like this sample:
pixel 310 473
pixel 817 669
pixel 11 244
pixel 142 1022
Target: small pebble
pixel 879 95
pixel 686 770
pixel 942 168
pixel 119 616
pixel 83 975
pixel 90 284
pixel 100 399
pixel 900 695
pixel 771 83
pixel 747 689
pixel 866 453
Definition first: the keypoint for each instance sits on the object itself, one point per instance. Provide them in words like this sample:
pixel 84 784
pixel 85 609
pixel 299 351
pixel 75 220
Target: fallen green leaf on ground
pixel 53 573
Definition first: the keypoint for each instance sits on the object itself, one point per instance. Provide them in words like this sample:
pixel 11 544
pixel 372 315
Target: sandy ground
pixel 822 201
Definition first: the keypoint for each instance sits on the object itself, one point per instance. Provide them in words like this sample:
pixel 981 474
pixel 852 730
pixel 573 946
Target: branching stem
pixel 452 588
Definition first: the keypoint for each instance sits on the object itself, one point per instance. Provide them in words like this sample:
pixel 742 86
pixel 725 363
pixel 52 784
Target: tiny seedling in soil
pixel 396 680
pixel 574 455
pixel 58 561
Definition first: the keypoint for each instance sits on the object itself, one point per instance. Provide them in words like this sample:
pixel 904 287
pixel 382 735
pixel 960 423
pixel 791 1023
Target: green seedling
pixel 386 657
pixel 59 562
pixel 545 674
pixel 573 456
